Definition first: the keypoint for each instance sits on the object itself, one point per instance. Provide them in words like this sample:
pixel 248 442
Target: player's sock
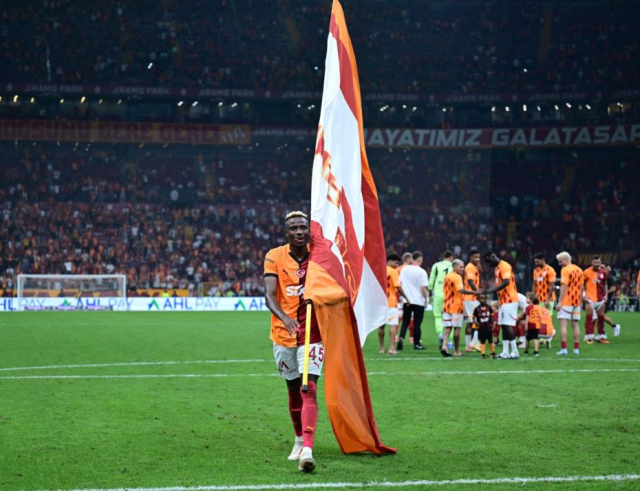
pixel 601 324
pixel 563 344
pixel 483 348
pixel 514 346
pixel 576 345
pixel 309 414
pixel 588 326
pixel 467 340
pixel 475 340
pixel 295 410
pixel 493 348
pixel 505 347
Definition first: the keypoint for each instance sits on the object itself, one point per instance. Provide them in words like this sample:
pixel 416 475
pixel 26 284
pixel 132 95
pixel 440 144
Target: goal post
pixel 70 285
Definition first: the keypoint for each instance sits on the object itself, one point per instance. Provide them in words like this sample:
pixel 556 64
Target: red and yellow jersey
pixel 638 283
pixel 573 277
pixel 472 273
pixel 291 273
pixel 452 296
pixel 393 282
pixel 544 279
pixel 483 316
pixel 510 293
pixel 595 283
pixel 534 316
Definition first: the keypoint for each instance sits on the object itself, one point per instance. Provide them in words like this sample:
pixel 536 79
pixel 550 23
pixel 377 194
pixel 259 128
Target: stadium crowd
pixel 407 47
pixel 109 208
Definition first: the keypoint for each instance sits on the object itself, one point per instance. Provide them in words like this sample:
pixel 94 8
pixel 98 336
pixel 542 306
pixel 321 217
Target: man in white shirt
pixel 414 281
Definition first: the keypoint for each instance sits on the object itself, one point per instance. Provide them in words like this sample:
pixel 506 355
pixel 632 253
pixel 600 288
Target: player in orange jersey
pixel 472 283
pixel 533 317
pixel 505 286
pixel 569 301
pixel 596 284
pixel 285 273
pixel 544 281
pixel 394 291
pixel 453 311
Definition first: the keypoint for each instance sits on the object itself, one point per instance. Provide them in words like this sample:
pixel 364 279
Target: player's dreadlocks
pixel 295 214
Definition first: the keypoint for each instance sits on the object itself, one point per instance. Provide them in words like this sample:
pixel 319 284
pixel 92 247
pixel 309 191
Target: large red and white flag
pixel 347 276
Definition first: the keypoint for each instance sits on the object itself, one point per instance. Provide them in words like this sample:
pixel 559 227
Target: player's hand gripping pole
pixel 307 341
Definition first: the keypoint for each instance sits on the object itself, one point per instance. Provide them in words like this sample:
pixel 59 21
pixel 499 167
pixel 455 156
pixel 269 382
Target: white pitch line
pixel 270 361
pixel 129 364
pixel 390 484
pixel 371 374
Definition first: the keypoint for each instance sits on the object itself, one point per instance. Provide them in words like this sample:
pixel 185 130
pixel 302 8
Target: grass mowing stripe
pixel 270 361
pixel 371 374
pixel 391 484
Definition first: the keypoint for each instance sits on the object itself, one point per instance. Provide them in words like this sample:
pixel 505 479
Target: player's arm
pixel 271 287
pixel 400 292
pixel 563 292
pixel 501 286
pixel 425 294
pixel 473 285
pixel 432 277
pixel 471 292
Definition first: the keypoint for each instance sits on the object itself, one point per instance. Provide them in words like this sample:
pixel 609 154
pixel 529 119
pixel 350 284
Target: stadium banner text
pixel 108 131
pixel 135 304
pixel 310 95
pixel 471 138
pixel 482 137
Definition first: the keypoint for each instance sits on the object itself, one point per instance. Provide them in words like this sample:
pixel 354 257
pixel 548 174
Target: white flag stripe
pixel 339 131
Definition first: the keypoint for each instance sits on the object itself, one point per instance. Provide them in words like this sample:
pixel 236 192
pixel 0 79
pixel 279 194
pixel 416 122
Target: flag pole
pixel 307 341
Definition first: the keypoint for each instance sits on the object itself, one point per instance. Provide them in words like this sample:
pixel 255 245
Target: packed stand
pixel 408 46
pixel 109 208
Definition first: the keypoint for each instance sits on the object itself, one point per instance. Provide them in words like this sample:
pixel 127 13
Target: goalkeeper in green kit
pixel 436 284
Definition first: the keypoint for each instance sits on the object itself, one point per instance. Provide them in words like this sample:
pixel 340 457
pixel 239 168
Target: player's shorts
pixel 485 333
pixel 569 312
pixel 507 314
pixel 290 361
pixel 400 311
pixel 452 320
pixel 522 302
pixel 532 334
pixel 546 332
pixel 595 305
pixel 469 307
pixel 392 316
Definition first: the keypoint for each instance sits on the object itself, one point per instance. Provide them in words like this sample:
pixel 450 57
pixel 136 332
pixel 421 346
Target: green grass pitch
pixel 228 424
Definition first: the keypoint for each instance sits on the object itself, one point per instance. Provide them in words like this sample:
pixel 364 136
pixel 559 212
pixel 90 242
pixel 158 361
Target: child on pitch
pixel 495 327
pixel 532 317
pixel 483 317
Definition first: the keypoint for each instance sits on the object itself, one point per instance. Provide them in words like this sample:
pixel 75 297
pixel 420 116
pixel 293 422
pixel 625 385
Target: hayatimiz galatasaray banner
pixel 103 131
pixel 506 137
pixel 346 280
pixel 483 138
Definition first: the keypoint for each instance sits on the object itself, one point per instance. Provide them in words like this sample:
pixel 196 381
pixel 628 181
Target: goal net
pixel 54 285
